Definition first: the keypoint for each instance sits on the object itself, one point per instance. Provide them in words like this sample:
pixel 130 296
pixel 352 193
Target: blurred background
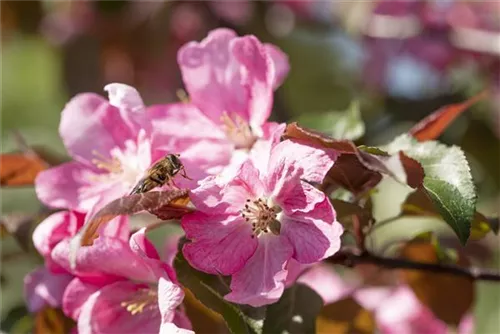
pixel 400 60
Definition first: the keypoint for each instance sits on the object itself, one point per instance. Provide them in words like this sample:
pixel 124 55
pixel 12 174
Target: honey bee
pixel 160 173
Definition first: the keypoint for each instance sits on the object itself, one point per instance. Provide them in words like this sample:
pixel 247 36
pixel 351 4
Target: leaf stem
pixel 350 259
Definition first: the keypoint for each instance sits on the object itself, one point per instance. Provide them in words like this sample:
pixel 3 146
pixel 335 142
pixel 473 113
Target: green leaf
pixel 295 312
pixel 337 124
pixel 447 181
pixel 206 288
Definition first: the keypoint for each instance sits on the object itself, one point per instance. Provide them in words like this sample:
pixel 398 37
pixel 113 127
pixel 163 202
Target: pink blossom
pixel 44 288
pixel 230 81
pixel 253 225
pixel 121 287
pixel 110 143
pixel 396 309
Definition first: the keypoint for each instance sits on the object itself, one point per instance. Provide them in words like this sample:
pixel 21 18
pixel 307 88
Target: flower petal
pixel 326 282
pixel 314 235
pixel 261 149
pixel 124 97
pixel 212 75
pixel 281 64
pixel 55 228
pixel 75 295
pixel 60 187
pixel 298 196
pixel 91 116
pixel 262 279
pixel 42 288
pixel 221 244
pixel 313 162
pixel 121 307
pixel 257 77
pixel 170 296
pixel 170 328
pixel 108 259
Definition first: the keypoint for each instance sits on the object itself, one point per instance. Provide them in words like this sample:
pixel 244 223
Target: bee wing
pixel 138 188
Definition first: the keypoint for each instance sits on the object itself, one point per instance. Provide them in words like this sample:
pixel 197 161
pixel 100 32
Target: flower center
pixel 262 216
pixel 144 298
pixel 112 165
pixel 238 131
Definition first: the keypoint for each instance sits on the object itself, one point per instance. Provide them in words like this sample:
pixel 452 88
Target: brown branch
pixel 350 259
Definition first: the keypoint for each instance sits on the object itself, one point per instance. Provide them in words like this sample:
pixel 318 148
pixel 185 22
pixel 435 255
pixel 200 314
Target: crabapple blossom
pixel 110 143
pixel 251 226
pixel 396 309
pixel 230 81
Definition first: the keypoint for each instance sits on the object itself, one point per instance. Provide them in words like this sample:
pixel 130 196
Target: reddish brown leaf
pixel 359 170
pixel 449 297
pixel 52 321
pixel 20 169
pixel 432 126
pixel 345 316
pixel 166 204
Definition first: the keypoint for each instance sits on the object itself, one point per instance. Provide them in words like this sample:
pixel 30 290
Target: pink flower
pixel 44 288
pixel 396 309
pixel 110 143
pixel 230 81
pixel 121 287
pixel 253 225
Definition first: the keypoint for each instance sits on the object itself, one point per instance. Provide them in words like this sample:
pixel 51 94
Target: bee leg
pixel 184 175
pixel 172 184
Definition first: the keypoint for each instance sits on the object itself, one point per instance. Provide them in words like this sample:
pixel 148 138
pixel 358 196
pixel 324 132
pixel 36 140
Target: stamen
pixel 238 131
pixel 145 298
pixel 262 217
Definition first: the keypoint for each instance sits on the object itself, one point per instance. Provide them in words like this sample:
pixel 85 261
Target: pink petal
pixel 106 310
pixel 181 121
pixel 42 288
pixel 221 244
pixel 75 295
pixel 401 312
pixel 170 248
pixel 124 97
pixel 298 196
pixel 170 296
pixel 261 149
pixel 257 77
pixel 245 186
pixel 170 328
pixel 326 282
pixel 108 259
pixel 262 279
pixel 91 116
pixel 55 228
pixel 313 162
pixel 140 245
pixel 212 75
pixel 314 235
pixel 181 320
pixel 281 64
pixel 60 187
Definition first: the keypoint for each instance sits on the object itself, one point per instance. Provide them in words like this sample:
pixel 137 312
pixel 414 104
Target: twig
pixel 350 259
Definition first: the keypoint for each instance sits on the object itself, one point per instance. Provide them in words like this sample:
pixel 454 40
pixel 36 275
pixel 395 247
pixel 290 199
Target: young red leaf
pixel 167 204
pixel 434 125
pixel 20 169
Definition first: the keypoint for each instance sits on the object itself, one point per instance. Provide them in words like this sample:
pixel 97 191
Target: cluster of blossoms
pixel 257 214
pixel 256 209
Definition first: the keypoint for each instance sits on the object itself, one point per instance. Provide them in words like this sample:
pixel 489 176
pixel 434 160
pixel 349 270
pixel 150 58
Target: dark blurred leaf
pixel 295 312
pixel 419 203
pixel 345 212
pixel 203 288
pixel 434 125
pixel 20 169
pixel 449 297
pixel 448 180
pixel 167 204
pixel 203 319
pixel 346 124
pixel 52 321
pixel 345 316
